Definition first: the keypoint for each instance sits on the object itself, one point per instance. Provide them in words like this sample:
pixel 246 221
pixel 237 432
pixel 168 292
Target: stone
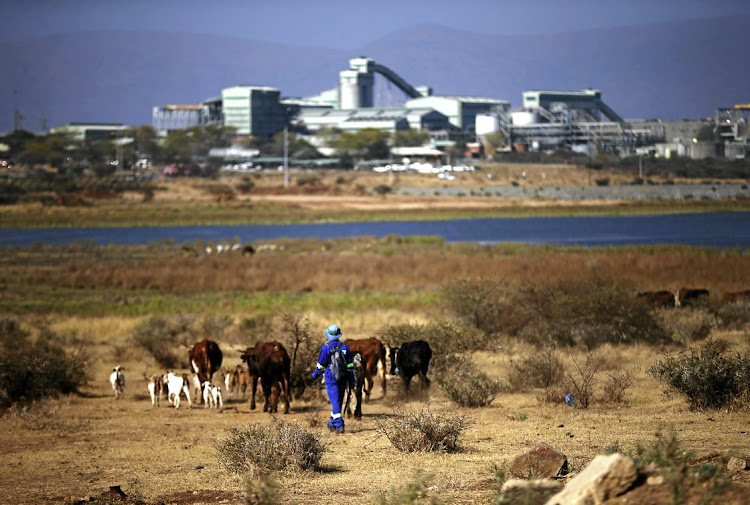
pixel 736 465
pixel 604 478
pixel 528 492
pixel 541 462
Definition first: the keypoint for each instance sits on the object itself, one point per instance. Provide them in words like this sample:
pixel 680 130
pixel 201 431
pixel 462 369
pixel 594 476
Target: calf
pixel 117 379
pixel 177 384
pixel 237 380
pixel 412 358
pixel 359 377
pixel 212 396
pixel 269 362
pixel 373 356
pixel 156 388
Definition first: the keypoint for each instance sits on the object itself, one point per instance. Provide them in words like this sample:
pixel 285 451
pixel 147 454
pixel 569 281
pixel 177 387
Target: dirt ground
pixel 65 450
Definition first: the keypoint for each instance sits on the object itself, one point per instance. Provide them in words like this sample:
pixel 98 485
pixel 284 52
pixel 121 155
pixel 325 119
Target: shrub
pixel 705 376
pixel 583 379
pixel 308 180
pixel 604 181
pixel 423 431
pixel 686 325
pixel 673 463
pixel 479 302
pixel 733 316
pixel 541 369
pixel 162 338
pixel 295 333
pixel 588 312
pixel 617 385
pixel 30 371
pixel 412 492
pixel 467 386
pixel 266 447
pixel 382 189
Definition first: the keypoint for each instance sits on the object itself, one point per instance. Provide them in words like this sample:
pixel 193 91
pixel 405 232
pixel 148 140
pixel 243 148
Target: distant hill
pixel 669 70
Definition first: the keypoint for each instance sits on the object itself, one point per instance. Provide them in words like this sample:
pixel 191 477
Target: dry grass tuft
pixel 423 431
pixel 277 446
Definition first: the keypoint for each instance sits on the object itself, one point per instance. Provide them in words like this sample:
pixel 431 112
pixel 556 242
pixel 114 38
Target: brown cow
pixel 736 296
pixel 269 362
pixel 205 358
pixel 689 297
pixel 658 299
pixel 372 351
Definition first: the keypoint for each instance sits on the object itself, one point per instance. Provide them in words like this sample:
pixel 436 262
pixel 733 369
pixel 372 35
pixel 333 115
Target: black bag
pixel 338 363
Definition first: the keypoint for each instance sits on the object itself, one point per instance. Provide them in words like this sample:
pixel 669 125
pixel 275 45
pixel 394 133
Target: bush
pixel 30 371
pixel 588 312
pixel 705 376
pixel 479 302
pixel 617 385
pixel 542 369
pixel 263 490
pixel 733 316
pixel 162 337
pixel 673 463
pixel 308 180
pixel 423 431
pixel 295 333
pixel 583 379
pixel 686 325
pixel 467 386
pixel 266 447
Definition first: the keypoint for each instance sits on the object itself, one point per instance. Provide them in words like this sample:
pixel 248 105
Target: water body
pixel 720 230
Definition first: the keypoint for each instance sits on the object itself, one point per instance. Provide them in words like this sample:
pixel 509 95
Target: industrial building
pixel 548 119
pixel 91 131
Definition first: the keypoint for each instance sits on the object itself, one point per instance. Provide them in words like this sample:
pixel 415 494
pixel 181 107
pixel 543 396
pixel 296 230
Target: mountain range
pixel 668 71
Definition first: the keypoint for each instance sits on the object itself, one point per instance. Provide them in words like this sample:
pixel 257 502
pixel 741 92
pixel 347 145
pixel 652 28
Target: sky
pixel 338 24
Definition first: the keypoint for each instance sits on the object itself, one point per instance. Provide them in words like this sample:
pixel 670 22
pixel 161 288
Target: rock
pixel 542 461
pixel 606 477
pixel 528 492
pixel 656 480
pixel 736 465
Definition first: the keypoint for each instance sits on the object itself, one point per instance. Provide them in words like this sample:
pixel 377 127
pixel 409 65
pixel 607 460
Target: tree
pixel 410 137
pixel 368 143
pixel 494 141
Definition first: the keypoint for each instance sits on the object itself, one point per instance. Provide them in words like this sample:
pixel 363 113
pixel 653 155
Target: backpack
pixel 338 363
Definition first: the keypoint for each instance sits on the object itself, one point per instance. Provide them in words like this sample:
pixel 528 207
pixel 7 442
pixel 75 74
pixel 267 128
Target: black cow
pixel 359 385
pixel 688 297
pixel 412 358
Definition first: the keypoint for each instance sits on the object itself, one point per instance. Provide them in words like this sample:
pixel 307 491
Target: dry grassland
pixel 61 450
pixel 79 446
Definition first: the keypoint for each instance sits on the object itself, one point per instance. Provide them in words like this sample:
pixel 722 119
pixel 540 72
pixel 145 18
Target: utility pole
pixel 286 157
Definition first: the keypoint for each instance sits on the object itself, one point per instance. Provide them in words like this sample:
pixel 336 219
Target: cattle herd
pixel 687 297
pixel 269 363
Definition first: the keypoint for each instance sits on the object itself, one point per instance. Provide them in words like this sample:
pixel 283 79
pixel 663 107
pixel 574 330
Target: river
pixel 719 230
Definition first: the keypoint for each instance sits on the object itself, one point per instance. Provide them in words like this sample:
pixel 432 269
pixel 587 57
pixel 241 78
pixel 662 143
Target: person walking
pixel 335 363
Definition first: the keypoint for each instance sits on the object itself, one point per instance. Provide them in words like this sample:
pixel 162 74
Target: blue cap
pixel 333 332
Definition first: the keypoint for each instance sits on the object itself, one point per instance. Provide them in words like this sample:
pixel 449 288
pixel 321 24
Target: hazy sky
pixel 341 24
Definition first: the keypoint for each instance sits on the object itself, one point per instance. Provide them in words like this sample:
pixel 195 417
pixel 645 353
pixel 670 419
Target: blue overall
pixel 335 389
